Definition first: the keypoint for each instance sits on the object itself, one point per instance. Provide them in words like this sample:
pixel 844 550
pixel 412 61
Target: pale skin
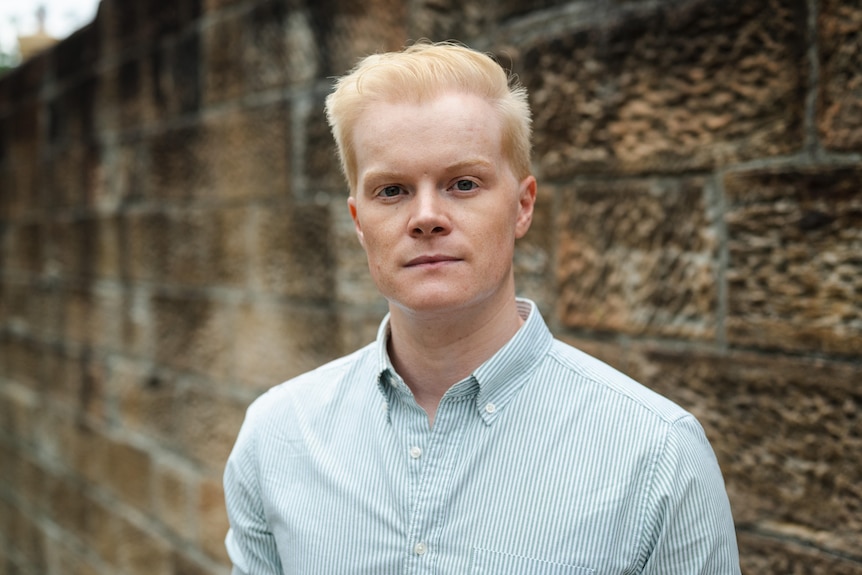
pixel 437 209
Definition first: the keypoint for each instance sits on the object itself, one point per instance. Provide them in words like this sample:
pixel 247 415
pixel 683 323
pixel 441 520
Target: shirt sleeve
pixel 250 542
pixel 689 527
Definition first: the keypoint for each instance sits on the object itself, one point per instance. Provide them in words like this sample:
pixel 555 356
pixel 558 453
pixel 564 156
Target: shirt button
pixel 415 452
pixel 420 548
pixel 490 408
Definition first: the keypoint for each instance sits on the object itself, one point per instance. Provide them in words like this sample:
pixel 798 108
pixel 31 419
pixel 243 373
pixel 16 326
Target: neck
pixel 434 352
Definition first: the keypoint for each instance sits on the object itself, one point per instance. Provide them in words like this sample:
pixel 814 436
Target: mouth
pixel 431 261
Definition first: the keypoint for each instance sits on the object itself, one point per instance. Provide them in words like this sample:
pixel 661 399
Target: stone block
pixel 440 20
pixel 129 473
pixel 840 90
pixel 177 72
pixel 208 426
pixel 264 55
pixel 764 555
pixel 276 341
pixel 178 165
pixel 24 361
pixel 148 245
pixel 681 86
pixel 140 551
pixel 24 247
pixel 73 247
pixel 786 432
pixel 321 165
pixel 638 257
pixel 346 31
pixel 146 400
pixel 207 247
pixel 193 333
pixel 28 540
pixel 292 251
pixel 222 57
pixel 248 153
pixel 172 498
pixel 66 504
pixel 794 273
pixel 212 519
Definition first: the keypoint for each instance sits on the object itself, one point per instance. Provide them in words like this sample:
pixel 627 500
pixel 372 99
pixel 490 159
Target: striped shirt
pixel 544 461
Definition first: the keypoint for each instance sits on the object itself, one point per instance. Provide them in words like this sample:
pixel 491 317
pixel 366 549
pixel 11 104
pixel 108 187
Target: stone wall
pixel 174 240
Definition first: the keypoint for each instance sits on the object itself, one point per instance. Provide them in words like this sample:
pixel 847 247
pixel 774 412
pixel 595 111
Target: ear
pixel 351 205
pixel 526 201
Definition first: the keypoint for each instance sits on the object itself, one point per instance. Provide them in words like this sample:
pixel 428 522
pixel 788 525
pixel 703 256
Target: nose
pixel 429 214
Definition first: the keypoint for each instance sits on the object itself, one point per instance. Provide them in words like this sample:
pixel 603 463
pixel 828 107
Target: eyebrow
pixel 464 165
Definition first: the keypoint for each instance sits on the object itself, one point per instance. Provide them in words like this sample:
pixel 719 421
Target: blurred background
pixel 174 240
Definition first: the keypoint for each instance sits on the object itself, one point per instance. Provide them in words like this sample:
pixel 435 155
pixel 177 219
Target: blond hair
pixel 420 73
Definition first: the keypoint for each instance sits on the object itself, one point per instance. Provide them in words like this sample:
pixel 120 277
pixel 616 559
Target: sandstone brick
pixel 172 498
pixel 24 361
pixel 785 432
pixel 208 426
pixel 134 88
pixel 264 46
pixel 840 90
pixel 212 519
pixel 193 333
pixel 223 68
pixel 292 253
pixel 139 551
pixel 178 165
pixel 690 85
pixel 346 31
pixel 103 526
pixel 129 473
pixel 148 244
pixel 146 400
pixel 66 504
pixel 275 342
pixel 207 247
pixel 638 257
pixel 321 164
pixel 794 273
pixel 24 247
pixel 248 153
pixel 446 19
pixel 763 555
pixel 177 70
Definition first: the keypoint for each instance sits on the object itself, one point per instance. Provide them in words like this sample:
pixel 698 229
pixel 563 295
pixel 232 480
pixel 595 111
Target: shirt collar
pixel 500 378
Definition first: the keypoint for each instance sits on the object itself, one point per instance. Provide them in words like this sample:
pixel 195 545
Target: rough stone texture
pixel 638 257
pixel 794 271
pixel 691 85
pixel 765 554
pixel 174 240
pixel 840 37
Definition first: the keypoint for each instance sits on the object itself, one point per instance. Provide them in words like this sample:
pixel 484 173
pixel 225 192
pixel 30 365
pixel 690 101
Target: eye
pixel 389 191
pixel 465 185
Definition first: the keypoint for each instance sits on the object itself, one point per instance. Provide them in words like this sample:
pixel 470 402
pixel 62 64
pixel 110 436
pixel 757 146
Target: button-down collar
pixel 499 379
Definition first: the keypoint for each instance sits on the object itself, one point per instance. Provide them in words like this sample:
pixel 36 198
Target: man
pixel 466 439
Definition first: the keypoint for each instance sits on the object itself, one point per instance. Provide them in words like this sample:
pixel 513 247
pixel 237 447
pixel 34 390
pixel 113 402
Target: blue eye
pixel 390 191
pixel 465 185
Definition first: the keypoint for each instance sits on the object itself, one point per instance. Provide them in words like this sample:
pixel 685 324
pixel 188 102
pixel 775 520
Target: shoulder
pixel 612 388
pixel 314 389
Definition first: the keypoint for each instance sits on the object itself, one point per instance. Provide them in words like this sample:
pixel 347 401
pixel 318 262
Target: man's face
pixel 436 206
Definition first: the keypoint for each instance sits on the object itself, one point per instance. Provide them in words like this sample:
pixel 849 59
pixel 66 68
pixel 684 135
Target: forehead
pixel 445 128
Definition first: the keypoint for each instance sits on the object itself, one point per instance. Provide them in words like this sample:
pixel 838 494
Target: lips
pixel 430 260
